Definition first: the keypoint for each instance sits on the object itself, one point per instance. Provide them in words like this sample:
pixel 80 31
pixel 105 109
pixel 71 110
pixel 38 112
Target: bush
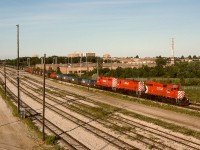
pixel 51 140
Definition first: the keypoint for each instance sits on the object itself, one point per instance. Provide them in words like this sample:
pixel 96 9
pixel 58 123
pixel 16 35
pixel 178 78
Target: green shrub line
pixel 49 140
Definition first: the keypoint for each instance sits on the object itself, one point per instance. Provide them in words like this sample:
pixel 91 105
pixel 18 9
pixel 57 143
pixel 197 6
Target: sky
pixel 121 28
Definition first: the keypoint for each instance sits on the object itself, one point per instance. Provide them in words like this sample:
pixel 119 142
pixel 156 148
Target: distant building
pixel 106 56
pixel 90 54
pixel 80 54
pixel 138 61
pixel 75 54
pixel 35 55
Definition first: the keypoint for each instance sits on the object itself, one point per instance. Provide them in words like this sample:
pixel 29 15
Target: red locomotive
pixel 107 82
pixel 53 75
pixel 125 85
pixel 29 70
pixel 130 85
pixel 171 92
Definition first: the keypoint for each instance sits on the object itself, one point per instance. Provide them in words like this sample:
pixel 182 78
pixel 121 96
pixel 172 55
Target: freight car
pixel 53 75
pixel 59 76
pixel 30 70
pixel 66 78
pixel 88 82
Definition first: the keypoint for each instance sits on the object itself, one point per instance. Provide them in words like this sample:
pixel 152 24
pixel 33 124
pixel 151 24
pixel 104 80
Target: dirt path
pixel 14 135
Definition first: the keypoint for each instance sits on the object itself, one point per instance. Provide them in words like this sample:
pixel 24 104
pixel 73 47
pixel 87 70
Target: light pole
pixel 43 112
pixel 80 65
pixel 5 79
pixel 42 61
pixel 72 64
pixel 111 64
pixel 55 60
pixel 18 99
pixel 28 62
pixel 86 61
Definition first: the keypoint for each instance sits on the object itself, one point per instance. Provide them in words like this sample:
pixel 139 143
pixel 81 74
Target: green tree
pixel 136 56
pixel 190 57
pixel 160 63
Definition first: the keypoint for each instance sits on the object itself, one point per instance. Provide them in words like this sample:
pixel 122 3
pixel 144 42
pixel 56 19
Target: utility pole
pixel 43 112
pixel 111 64
pixel 5 79
pixel 80 65
pixel 72 65
pixel 55 60
pixel 86 61
pixel 18 100
pixel 28 62
pixel 42 61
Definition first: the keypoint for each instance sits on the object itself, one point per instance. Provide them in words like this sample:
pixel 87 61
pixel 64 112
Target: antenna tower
pixel 172 52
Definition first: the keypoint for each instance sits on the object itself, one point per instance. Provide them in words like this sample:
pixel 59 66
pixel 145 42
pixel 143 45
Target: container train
pixel 169 93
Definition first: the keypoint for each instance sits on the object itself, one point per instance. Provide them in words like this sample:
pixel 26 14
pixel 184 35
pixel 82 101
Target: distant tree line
pixel 180 70
pixel 49 60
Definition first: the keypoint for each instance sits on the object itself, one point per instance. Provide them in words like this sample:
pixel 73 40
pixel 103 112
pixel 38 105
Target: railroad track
pixel 138 137
pixel 71 142
pixel 188 143
pixel 152 143
pixel 107 137
pixel 191 145
pixel 193 106
pixel 168 136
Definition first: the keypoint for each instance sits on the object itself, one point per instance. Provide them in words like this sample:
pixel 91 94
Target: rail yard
pixel 83 119
pixel 99 75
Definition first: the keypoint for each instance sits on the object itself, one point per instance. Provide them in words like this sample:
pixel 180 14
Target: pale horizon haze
pixel 121 28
